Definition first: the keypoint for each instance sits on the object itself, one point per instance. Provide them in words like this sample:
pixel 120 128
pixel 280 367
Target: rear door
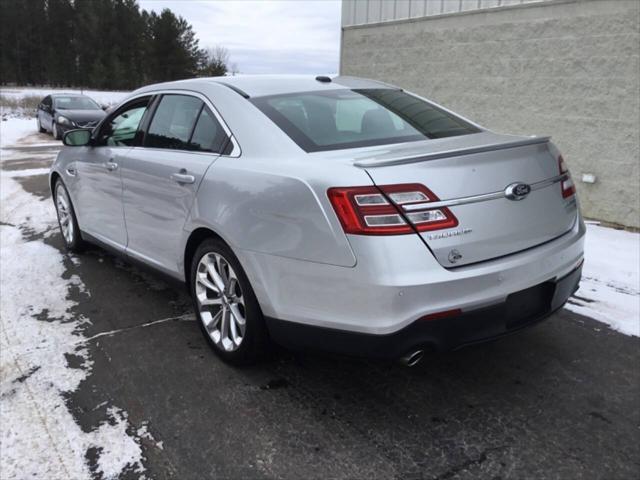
pixel 480 186
pixel 161 178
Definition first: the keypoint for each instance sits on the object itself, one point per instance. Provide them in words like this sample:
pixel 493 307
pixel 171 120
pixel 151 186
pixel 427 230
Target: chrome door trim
pixel 236 151
pixel 417 207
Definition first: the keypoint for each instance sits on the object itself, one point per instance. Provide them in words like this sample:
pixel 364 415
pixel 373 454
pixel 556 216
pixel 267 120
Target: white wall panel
pixel 434 7
pixel 359 12
pixel 388 10
pixel 418 8
pixel 360 15
pixel 402 9
pixel 450 6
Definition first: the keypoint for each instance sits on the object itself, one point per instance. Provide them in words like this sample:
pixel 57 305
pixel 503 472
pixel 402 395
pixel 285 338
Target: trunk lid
pixel 481 165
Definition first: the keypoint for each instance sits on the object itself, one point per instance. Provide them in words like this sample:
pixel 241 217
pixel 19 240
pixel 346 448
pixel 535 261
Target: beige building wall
pixel 565 68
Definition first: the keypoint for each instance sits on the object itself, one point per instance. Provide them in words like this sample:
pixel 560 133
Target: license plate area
pixel 527 305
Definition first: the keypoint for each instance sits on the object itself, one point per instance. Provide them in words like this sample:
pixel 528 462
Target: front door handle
pixel 182 178
pixel 111 166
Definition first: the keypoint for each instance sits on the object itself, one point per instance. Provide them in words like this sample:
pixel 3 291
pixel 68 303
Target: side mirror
pixel 77 138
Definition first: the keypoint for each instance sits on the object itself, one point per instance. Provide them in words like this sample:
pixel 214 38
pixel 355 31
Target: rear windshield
pixel 336 119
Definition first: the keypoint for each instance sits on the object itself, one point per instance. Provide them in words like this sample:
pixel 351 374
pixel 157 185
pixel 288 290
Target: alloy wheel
pixel 63 207
pixel 220 300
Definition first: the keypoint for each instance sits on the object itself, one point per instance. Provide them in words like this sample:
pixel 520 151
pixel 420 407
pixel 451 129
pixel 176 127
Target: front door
pixel 99 204
pixel 161 178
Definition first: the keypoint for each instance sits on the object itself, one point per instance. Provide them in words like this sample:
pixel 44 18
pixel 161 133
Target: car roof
pixel 264 85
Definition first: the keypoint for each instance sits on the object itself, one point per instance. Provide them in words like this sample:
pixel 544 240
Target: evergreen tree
pixel 109 44
pixel 174 52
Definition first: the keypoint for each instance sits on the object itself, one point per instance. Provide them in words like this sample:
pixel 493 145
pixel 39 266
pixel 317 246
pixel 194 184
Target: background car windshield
pixel 338 119
pixel 75 103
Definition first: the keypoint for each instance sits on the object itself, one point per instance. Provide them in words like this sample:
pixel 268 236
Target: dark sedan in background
pixel 60 112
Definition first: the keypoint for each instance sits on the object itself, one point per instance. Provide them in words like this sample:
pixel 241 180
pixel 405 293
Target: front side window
pixel 120 130
pixel 331 120
pixel 75 103
pixel 173 122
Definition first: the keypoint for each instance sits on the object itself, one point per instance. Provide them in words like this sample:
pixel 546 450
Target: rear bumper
pixel 397 281
pixel 520 310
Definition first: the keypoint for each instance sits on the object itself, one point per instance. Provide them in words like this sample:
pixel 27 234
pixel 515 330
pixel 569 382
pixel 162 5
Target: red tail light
pixel 378 210
pixel 567 185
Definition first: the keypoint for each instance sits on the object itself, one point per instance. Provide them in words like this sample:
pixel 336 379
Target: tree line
pixel 102 44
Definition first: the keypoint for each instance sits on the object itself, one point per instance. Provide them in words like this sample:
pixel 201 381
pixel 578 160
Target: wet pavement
pixel 559 400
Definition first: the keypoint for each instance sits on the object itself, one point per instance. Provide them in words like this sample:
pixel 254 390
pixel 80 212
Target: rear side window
pixel 173 122
pixel 336 119
pixel 208 136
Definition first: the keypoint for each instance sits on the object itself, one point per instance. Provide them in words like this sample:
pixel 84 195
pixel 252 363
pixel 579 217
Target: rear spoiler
pixel 385 162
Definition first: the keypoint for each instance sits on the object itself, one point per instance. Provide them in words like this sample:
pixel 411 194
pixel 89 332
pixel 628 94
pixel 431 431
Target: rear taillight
pixel 568 188
pixel 378 210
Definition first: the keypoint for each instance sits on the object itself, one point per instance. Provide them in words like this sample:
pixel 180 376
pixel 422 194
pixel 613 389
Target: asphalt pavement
pixel 559 400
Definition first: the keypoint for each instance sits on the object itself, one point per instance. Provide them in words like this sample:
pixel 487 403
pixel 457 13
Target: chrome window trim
pixel 236 151
pixel 417 207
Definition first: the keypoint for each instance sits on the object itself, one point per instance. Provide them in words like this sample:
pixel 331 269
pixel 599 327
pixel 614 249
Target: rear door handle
pixel 111 166
pixel 182 178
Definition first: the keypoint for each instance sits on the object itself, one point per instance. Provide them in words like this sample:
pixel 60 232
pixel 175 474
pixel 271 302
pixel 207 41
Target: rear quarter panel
pixel 276 207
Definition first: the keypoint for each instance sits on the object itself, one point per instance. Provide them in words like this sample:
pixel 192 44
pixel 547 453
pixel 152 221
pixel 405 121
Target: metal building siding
pixel 363 12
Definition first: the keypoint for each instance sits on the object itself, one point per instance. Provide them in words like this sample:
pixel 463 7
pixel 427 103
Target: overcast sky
pixel 266 36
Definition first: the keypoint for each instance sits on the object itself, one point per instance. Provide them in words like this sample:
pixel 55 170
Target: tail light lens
pixel 567 185
pixel 377 210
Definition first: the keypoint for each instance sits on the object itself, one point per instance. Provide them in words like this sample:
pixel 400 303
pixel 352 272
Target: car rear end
pixel 459 237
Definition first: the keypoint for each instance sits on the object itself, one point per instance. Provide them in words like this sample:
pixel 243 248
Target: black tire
pixel 40 129
pixel 73 242
pixel 255 341
pixel 55 131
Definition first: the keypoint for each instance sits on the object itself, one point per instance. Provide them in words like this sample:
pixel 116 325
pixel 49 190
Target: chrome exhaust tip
pixel 412 358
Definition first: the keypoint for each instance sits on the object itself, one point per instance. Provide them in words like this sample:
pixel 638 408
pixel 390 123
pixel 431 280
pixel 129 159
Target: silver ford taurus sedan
pixel 339 214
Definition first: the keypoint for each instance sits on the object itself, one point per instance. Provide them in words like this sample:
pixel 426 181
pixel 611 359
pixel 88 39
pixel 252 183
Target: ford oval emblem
pixel 517 191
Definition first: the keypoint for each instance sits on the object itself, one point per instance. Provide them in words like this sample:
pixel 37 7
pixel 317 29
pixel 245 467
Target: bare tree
pixel 215 61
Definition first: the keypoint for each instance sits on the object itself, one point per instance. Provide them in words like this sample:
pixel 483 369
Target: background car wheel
pixel 55 131
pixel 226 306
pixel 40 129
pixel 67 218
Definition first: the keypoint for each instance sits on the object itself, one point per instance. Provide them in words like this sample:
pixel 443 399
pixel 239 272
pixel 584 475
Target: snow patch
pixel 13 129
pixel 610 286
pixel 39 437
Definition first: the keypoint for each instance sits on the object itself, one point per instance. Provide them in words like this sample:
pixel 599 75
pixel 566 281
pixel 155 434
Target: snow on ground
pixel 100 96
pixel 13 129
pixel 610 286
pixel 38 435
